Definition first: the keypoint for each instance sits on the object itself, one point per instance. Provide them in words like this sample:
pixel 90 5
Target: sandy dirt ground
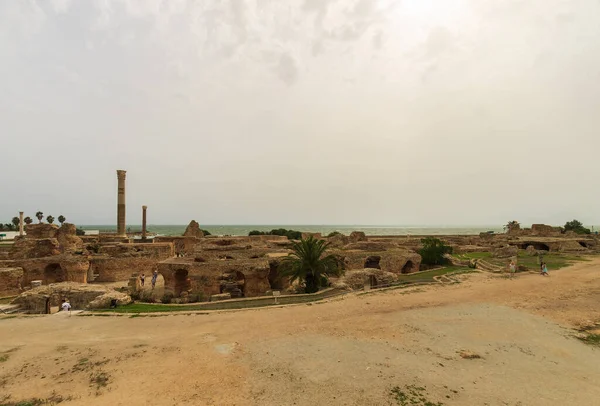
pixel 353 350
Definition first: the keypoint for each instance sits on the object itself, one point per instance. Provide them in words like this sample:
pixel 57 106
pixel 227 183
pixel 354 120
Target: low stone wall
pixel 40 299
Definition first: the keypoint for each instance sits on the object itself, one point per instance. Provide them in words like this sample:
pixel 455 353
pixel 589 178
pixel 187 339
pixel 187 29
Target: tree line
pixel 14 223
pixel 573 225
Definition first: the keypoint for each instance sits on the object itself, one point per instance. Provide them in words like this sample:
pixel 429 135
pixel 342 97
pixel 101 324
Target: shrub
pixel 333 234
pixel 290 234
pixel 79 231
pixel 205 232
pixel 167 298
pixel 577 227
pixel 433 251
pixel 196 297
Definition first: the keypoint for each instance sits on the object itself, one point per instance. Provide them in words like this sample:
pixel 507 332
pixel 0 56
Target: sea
pixel 242 230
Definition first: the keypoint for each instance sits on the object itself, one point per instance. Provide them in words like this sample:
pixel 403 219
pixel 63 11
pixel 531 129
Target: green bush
pixel 433 251
pixel 205 232
pixel 196 297
pixel 577 227
pixel 333 234
pixel 79 231
pixel 290 234
pixel 167 298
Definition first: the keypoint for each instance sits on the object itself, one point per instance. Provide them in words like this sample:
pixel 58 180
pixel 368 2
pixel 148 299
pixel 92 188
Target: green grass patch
pixel 412 395
pixel 591 339
pixel 151 308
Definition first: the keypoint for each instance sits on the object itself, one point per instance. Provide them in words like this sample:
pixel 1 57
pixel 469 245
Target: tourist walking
pixel 154 277
pixel 544 269
pixel 142 279
pixel 512 268
pixel 66 306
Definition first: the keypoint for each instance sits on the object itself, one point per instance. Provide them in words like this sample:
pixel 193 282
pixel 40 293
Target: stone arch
pixel 408 267
pixel 53 273
pixel 181 281
pixel 372 262
pixel 537 245
pixel 158 290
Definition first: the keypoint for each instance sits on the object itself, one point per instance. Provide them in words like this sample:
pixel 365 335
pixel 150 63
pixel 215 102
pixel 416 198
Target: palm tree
pixel 28 220
pixel 61 219
pixel 16 221
pixel 50 219
pixel 309 263
pixel 40 216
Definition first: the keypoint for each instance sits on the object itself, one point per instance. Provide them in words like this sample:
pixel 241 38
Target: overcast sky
pixel 397 112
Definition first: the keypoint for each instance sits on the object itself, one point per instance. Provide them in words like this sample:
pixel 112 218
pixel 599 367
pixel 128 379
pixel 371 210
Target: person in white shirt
pixel 66 306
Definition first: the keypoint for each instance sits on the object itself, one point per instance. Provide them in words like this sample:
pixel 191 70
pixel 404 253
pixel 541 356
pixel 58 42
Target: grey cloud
pixel 259 89
pixel 286 69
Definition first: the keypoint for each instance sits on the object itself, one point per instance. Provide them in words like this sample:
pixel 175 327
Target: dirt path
pixel 349 351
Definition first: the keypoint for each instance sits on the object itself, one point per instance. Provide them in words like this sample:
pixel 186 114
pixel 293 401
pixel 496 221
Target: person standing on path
pixel 544 269
pixel 154 277
pixel 66 306
pixel 142 279
pixel 512 268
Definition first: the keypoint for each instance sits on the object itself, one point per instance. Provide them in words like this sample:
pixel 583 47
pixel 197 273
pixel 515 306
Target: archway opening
pixel 583 244
pixel 540 247
pixel 234 283
pixel 53 273
pixel 372 262
pixel 182 282
pixel 275 280
pixel 408 267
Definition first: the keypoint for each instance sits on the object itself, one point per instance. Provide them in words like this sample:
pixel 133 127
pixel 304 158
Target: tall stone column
pixel 121 204
pixel 144 208
pixel 21 223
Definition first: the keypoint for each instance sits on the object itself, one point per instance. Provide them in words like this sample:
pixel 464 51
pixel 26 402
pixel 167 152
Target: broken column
pixel 144 208
pixel 21 223
pixel 121 204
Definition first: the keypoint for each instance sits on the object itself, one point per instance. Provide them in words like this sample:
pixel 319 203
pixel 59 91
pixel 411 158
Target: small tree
pixel 511 225
pixel 16 221
pixel 28 220
pixel 40 216
pixel 50 219
pixel 433 251
pixel 61 219
pixel 308 263
pixel 576 226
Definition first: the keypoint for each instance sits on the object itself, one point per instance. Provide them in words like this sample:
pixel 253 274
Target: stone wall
pixel 11 280
pixel 58 268
pixel 206 277
pixel 119 262
pixel 395 261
